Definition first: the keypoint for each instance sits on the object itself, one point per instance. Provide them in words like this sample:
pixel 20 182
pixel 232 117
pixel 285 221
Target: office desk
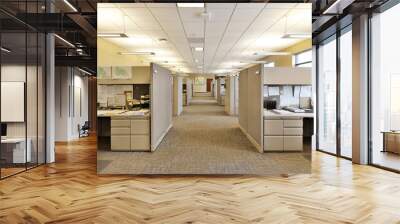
pixel 391 141
pixel 15 148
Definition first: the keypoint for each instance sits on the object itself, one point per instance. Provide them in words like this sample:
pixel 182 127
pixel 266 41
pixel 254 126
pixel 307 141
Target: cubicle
pixel 250 104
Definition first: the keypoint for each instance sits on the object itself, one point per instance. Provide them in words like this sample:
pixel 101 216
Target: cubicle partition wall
pixel 161 103
pixel 22 106
pixel 250 104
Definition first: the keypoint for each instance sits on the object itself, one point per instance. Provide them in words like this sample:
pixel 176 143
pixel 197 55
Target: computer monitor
pixel 3 129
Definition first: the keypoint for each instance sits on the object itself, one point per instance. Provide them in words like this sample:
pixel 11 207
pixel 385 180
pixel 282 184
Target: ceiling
pixel 229 33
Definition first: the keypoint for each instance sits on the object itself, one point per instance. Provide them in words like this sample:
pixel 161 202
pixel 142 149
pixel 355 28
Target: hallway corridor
pixel 203 140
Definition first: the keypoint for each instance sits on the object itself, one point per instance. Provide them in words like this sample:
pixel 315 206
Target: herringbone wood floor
pixel 69 191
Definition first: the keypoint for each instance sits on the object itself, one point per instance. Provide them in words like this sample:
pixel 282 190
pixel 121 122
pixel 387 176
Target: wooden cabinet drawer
pixel 120 131
pixel 293 143
pixel 140 127
pixel 140 142
pixel 273 143
pixel 293 131
pixel 273 127
pixel 120 123
pixel 121 142
pixel 298 123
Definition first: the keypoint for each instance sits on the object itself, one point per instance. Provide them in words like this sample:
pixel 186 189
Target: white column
pixel 50 99
pixel 360 90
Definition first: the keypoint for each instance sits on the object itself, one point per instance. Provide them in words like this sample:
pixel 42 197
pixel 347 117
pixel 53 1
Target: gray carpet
pixel 204 140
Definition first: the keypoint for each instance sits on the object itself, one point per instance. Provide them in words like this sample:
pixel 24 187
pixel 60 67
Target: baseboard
pixel 251 139
pixel 161 138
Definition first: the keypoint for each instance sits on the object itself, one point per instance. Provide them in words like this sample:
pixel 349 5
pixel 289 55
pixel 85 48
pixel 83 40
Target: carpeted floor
pixel 203 140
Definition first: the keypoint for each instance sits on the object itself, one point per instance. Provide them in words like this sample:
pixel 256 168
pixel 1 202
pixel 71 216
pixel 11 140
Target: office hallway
pixel 203 140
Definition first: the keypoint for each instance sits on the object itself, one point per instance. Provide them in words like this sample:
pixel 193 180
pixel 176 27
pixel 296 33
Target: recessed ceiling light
pixel 5 50
pixel 198 49
pixel 70 5
pixel 137 53
pixel 112 35
pixel 297 36
pixel 190 5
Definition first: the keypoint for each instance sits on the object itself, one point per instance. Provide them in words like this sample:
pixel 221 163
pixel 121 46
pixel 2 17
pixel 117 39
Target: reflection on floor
pixel 203 140
pixel 387 159
pixel 70 191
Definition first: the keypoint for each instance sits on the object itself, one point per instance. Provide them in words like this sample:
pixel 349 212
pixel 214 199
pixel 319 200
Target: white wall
pixel 161 104
pixel 71 87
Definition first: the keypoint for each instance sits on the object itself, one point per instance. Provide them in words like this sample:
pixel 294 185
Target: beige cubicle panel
pixel 161 103
pixel 287 76
pixel 251 104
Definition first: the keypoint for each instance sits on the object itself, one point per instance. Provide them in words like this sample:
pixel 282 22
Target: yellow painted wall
pixel 286 60
pixel 108 55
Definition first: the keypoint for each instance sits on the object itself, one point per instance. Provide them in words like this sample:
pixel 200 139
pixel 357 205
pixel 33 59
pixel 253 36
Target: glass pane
pixel 13 87
pixel 346 94
pixel 385 84
pixel 41 98
pixel 327 97
pixel 31 98
pixel 302 57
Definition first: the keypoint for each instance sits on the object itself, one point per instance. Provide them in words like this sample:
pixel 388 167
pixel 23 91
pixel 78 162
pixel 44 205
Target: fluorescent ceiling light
pixel 253 62
pixel 70 5
pixel 5 50
pixel 297 36
pixel 198 49
pixel 110 35
pixel 137 53
pixel 190 5
pixel 64 40
pixel 266 53
pixel 338 6
pixel 84 71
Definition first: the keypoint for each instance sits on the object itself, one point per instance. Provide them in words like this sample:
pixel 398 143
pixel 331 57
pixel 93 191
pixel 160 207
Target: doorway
pixel 209 84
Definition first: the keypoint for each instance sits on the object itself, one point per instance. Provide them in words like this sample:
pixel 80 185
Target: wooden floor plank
pixel 70 191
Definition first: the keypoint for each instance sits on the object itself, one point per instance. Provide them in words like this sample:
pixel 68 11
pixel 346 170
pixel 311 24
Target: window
pixel 346 93
pixel 327 96
pixel 303 59
pixel 385 90
pixel 269 64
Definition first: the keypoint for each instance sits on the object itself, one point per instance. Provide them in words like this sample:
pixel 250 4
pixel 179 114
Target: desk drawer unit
pixel 273 143
pixel 140 142
pixel 121 142
pixel 120 131
pixel 140 127
pixel 273 127
pixel 293 131
pixel 293 143
pixel 120 123
pixel 298 123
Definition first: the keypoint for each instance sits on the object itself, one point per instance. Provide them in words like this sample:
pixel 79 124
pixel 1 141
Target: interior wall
pixel 161 104
pixel 140 75
pixel 71 103
pixel 251 104
pixel 287 60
